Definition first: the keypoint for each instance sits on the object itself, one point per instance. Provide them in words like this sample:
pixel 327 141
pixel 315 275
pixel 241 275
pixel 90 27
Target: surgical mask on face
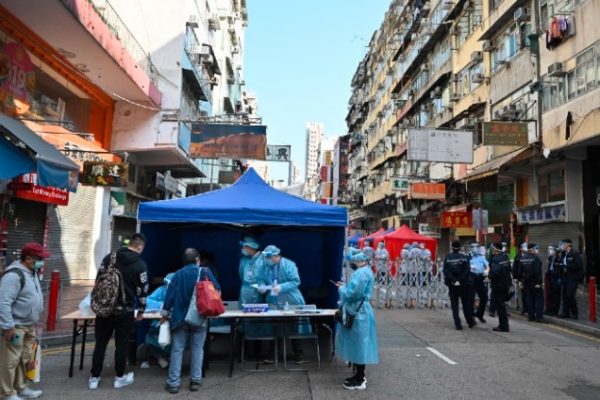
pixel 482 251
pixel 269 262
pixel 551 252
pixel 38 265
pixel 353 266
pixel 245 252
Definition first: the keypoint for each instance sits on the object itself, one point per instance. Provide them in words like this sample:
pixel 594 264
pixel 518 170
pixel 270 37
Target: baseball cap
pixel 34 249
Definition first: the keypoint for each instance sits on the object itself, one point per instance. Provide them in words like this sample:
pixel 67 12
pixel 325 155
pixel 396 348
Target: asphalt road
pixel 422 357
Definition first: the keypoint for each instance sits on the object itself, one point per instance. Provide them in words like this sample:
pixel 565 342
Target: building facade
pixel 314 136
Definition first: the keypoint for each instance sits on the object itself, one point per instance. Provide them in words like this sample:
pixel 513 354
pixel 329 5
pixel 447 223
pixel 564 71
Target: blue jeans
pixel 180 336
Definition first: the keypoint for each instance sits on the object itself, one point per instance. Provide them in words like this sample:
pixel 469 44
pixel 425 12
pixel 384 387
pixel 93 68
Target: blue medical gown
pixel 156 299
pixel 358 344
pixel 286 275
pixel 251 270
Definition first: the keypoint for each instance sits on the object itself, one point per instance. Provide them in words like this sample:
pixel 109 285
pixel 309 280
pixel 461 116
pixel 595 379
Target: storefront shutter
pixel 70 237
pixel 546 234
pixel 26 224
pixel 123 228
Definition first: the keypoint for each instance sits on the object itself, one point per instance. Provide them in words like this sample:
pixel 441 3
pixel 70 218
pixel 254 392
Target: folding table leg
pixel 83 340
pixel 73 342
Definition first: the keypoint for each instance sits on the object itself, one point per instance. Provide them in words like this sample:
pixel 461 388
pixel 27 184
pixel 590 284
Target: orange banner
pixel 459 219
pixel 429 191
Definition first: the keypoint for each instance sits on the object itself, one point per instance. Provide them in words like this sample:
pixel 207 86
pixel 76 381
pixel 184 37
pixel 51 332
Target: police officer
pixel 501 283
pixel 460 284
pixel 554 277
pixel 573 276
pixel 516 274
pixel 480 270
pixel 531 279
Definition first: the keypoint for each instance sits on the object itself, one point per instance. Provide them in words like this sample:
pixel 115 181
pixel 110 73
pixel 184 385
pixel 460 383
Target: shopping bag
pixel 208 299
pixel 85 307
pixel 33 374
pixel 192 317
pixel 164 334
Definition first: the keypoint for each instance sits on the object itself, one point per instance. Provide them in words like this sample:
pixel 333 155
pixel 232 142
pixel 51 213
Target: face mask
pixel 245 252
pixel 269 262
pixel 353 266
pixel 38 265
pixel 551 252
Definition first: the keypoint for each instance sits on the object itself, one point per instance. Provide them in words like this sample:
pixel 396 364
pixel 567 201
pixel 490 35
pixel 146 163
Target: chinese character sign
pixel 17 79
pixel 104 174
pixel 459 219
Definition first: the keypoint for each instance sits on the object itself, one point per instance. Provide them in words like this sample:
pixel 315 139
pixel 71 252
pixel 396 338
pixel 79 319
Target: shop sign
pixel 542 214
pixel 428 191
pixel 431 231
pixel 17 79
pixel 400 185
pixel 166 182
pixel 104 174
pixel 505 134
pixel 278 153
pixel 480 220
pixel 26 187
pixel 228 141
pixel 458 219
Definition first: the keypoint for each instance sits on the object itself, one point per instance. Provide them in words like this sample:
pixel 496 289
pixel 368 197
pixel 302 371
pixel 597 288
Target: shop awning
pixel 492 167
pixel 15 161
pixel 53 168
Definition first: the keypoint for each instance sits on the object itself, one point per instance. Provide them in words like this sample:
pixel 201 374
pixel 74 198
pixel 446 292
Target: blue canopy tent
pixel 353 240
pixel 308 233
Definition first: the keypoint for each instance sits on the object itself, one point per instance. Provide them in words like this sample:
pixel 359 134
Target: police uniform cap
pixel 531 246
pixel 456 245
pixel 497 246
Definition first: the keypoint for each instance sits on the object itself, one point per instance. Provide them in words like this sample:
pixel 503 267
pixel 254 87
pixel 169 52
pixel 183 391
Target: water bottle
pixel 286 306
pixel 14 340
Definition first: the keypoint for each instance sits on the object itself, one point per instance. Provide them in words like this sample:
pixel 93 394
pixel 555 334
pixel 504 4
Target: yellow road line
pixel 575 333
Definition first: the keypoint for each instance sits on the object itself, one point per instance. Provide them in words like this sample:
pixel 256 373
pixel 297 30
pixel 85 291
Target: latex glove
pixel 457 283
pixel 521 286
pixel 486 273
pixel 276 290
pixel 262 289
pixel 538 286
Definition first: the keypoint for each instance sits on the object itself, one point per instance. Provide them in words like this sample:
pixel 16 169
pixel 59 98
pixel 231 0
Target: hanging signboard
pixel 17 79
pixel 505 134
pixel 431 231
pixel 440 146
pixel 26 187
pixel 228 141
pixel 278 153
pixel 428 191
pixel 104 174
pixel 480 220
pixel 400 185
pixel 542 214
pixel 458 219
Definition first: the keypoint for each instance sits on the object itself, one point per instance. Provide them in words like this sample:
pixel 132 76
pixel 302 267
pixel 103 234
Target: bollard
pixel 53 301
pixel 592 292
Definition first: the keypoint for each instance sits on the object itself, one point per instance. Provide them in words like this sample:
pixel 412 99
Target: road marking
pixel 440 355
pixel 574 333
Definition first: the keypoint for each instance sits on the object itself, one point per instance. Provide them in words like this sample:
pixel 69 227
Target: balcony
pixel 90 35
pixel 499 17
pixel 379 192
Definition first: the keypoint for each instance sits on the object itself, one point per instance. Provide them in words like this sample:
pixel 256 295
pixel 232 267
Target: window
pixel 552 186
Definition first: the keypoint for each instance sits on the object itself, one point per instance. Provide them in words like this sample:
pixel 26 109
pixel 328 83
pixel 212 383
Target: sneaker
pixel 356 384
pixel 172 389
pixel 13 397
pixel 459 327
pixel 125 380
pixel 352 378
pixel 28 393
pixel 482 320
pixel 498 329
pixel 195 386
pixel 472 325
pixel 93 383
pixel 492 315
pixel 163 362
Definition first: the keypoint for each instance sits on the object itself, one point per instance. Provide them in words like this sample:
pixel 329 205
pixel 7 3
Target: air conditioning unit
pixel 509 110
pixel 556 69
pixel 447 5
pixel 476 57
pixel 235 50
pixel 488 46
pixel 521 14
pixel 424 21
pixel 497 115
pixel 455 96
pixel 437 93
pixel 214 24
pixel 455 78
pixel 242 82
pixel 214 80
pixel 192 21
pixel 424 67
pixel 477 78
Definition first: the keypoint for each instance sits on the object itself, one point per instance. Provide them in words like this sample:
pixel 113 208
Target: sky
pixel 300 56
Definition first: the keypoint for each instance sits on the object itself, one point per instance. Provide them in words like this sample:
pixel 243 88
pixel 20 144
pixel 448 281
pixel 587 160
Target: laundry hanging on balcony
pixel 559 28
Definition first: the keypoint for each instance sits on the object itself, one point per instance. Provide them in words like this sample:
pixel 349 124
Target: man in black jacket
pixel 554 274
pixel 135 282
pixel 573 276
pixel 460 285
pixel 501 283
pixel 516 274
pixel 531 279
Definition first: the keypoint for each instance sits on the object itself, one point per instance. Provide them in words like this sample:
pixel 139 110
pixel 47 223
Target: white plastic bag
pixel 85 307
pixel 164 334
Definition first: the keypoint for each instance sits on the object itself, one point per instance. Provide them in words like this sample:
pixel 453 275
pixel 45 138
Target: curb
pixel 565 323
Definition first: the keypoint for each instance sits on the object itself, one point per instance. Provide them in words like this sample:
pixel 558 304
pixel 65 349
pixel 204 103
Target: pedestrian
pixel 21 304
pixel 554 277
pixel 381 262
pixel 516 274
pixel 480 269
pixel 501 283
pixel 175 309
pixel 281 275
pixel 369 251
pixel 531 281
pixel 357 344
pixel 121 322
pixel 460 285
pixel 574 274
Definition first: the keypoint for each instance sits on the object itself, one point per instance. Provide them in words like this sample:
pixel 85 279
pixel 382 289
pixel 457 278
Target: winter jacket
pixel 20 307
pixel 135 278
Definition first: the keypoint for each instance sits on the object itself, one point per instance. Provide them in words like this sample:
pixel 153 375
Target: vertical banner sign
pixel 17 79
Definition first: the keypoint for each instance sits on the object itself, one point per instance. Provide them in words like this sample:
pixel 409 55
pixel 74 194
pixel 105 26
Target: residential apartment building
pixel 314 136
pixel 475 66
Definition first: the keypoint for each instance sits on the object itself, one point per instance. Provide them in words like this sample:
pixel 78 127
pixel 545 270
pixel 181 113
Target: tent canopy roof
pixel 249 201
pixel 406 234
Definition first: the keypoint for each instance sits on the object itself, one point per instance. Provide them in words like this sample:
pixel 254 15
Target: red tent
pixel 361 241
pixel 395 241
pixel 381 238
